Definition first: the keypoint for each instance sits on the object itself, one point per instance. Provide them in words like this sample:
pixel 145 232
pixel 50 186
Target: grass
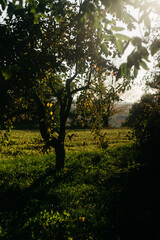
pixel 84 139
pixel 21 143
pixel 99 195
pixel 38 203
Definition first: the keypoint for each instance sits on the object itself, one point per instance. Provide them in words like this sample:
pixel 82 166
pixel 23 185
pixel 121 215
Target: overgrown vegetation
pixel 98 195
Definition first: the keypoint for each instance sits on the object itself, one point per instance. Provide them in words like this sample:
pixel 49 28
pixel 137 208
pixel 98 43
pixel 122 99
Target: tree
pixel 144 118
pixel 96 107
pixel 56 50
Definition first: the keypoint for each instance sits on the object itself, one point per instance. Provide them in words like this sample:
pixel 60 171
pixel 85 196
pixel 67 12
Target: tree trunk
pixel 60 155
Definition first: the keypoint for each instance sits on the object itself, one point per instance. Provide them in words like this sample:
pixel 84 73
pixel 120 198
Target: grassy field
pixel 76 203
pixel 29 142
pixel 98 195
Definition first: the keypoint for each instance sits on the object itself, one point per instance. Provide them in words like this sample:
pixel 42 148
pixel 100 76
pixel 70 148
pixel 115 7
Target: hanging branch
pixel 84 87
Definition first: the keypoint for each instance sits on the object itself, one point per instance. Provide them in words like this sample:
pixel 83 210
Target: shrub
pixel 144 118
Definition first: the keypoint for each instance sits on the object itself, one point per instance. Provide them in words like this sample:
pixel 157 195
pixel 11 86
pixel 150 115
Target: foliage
pixel 95 107
pixel 144 119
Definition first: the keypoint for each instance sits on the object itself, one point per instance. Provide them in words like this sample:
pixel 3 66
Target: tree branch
pixel 70 80
pixel 84 87
pixel 43 123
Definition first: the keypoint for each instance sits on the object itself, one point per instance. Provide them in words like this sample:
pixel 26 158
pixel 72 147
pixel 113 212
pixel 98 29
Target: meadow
pixel 29 142
pixel 100 194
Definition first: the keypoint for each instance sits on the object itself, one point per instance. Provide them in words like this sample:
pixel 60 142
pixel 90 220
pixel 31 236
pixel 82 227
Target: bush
pixel 144 118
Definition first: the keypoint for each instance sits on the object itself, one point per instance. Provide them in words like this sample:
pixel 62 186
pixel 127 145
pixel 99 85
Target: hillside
pixel 122 111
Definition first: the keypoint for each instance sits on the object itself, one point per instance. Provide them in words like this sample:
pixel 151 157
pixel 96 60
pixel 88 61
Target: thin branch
pixel 80 89
pixel 70 80
pixel 43 123
pixel 84 87
pixel 68 108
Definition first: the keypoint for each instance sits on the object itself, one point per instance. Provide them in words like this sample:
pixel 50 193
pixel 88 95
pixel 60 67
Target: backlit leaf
pixel 120 46
pixel 147 22
pixel 135 71
pixel 6 74
pixel 104 49
pixel 117 29
pixel 122 37
pixel 144 65
pixel 136 41
pixel 155 47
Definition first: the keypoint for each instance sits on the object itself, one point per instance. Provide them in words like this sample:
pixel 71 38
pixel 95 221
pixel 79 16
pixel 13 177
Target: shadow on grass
pixel 17 204
pixel 134 211
pixel 114 205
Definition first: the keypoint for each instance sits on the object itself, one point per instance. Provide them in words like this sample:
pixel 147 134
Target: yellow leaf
pixel 13 119
pixel 83 218
pixel 51 113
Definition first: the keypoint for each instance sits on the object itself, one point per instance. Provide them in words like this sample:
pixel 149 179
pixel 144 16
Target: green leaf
pixel 124 71
pixel 136 41
pixel 135 71
pixel 11 9
pixel 128 19
pixel 117 29
pixel 84 18
pixel 143 53
pixel 126 45
pixel 33 10
pixel 143 65
pixel 106 37
pixel 3 4
pixel 6 74
pixel 155 46
pixel 158 65
pixel 36 18
pixel 96 22
pixel 104 49
pixel 147 22
pixel 122 37
pixel 120 46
